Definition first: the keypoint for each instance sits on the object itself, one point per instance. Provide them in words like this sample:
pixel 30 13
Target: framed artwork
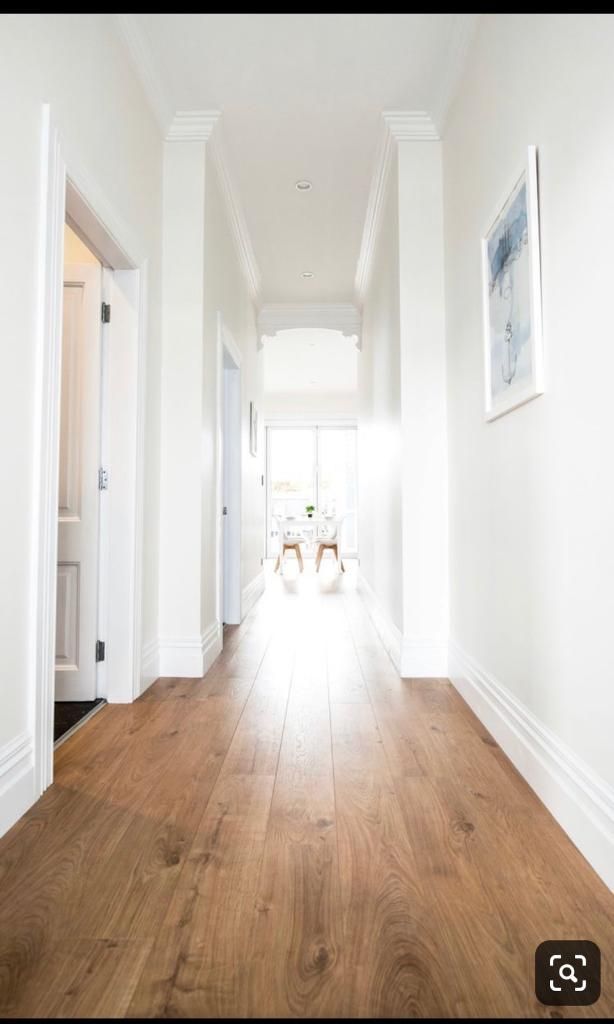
pixel 511 283
pixel 253 429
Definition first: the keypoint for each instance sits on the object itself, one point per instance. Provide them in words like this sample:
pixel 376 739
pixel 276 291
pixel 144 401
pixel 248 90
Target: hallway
pixel 301 833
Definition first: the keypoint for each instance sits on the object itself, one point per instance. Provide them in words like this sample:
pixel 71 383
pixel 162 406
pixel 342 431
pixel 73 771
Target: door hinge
pixel 106 312
pixel 103 479
pixel 100 650
pixel 225 510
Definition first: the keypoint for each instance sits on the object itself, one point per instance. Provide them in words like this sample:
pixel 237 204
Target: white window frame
pixel 316 426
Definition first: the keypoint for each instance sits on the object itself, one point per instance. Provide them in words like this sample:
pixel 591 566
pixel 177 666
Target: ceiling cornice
pixel 243 242
pixel 284 316
pixel 461 38
pixel 410 125
pixel 145 68
pixel 397 126
pixel 192 125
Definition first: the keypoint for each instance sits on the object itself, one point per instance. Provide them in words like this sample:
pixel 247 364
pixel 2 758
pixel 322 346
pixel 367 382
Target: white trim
pixel 399 126
pixel 18 788
pixel 410 125
pixel 150 665
pixel 190 657
pixel 580 801
pixel 283 316
pixel 413 657
pixel 252 593
pixel 462 35
pixel 145 68
pixel 389 633
pixel 47 411
pixel 424 658
pixel 238 224
pixel 192 125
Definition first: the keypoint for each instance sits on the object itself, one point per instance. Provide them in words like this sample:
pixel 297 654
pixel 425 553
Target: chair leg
pixel 277 564
pixel 319 557
pixel 299 556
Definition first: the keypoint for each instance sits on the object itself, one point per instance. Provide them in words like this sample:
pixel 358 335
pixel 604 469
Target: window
pixel 312 466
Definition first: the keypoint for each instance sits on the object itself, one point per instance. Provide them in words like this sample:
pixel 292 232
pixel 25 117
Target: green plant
pixel 310 509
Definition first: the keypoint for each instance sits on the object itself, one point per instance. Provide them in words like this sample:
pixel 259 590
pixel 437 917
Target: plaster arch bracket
pixel 343 317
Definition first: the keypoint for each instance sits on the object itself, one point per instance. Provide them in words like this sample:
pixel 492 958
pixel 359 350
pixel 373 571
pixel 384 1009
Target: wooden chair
pixel 329 540
pixel 289 540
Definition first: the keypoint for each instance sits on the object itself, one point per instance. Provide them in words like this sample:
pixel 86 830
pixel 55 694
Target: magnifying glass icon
pixel 569 973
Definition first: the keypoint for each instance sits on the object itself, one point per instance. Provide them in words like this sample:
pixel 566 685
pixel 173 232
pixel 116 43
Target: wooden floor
pixel 301 833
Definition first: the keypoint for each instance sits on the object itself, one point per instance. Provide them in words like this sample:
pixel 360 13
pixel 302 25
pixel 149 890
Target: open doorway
pixel 73 197
pixel 78 648
pixel 230 393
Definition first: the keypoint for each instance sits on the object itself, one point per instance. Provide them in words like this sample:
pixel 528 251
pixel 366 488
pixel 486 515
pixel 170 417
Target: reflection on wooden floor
pixel 300 833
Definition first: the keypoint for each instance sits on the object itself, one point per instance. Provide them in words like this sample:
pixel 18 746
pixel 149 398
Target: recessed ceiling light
pixel 306 273
pixel 303 186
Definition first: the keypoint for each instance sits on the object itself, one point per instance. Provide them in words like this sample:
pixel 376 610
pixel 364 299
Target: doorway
pixel 230 569
pixel 312 465
pixel 74 197
pixel 78 649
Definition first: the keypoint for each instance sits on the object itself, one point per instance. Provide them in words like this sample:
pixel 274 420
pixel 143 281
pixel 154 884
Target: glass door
pixel 312 465
pixel 291 476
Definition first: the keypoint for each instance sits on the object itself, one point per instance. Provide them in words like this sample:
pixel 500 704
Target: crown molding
pixel 145 68
pixel 192 125
pixel 284 316
pixel 461 38
pixel 243 242
pixel 410 125
pixel 397 126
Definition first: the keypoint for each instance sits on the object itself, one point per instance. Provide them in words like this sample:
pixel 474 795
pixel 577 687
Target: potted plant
pixel 310 509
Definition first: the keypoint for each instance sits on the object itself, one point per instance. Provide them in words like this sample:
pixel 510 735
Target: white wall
pixel 78 65
pixel 379 428
pixel 203 281
pixel 226 291
pixel 423 390
pixel 532 494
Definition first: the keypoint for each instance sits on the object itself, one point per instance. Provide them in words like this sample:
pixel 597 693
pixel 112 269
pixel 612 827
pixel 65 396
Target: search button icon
pixel 567 976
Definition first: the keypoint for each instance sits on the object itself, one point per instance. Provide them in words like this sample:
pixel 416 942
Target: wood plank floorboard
pixel 301 833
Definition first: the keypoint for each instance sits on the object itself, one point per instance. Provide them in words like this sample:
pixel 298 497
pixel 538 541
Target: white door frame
pixel 227 345
pixel 69 193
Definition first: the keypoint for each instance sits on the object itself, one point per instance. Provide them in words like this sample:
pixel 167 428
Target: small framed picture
pixel 253 429
pixel 511 284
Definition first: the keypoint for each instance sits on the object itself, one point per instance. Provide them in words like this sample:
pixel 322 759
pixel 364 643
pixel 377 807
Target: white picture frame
pixel 511 298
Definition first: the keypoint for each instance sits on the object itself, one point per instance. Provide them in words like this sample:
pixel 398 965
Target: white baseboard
pixel 581 802
pixel 424 659
pixel 389 632
pixel 17 783
pixel 190 658
pixel 150 665
pixel 413 657
pixel 251 593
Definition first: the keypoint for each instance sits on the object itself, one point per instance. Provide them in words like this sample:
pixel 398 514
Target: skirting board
pixel 413 658
pixel 190 658
pixel 580 801
pixel 17 784
pixel 251 593
pixel 150 665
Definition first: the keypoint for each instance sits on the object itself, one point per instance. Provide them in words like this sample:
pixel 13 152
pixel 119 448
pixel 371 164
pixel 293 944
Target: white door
pixel 231 490
pixel 78 511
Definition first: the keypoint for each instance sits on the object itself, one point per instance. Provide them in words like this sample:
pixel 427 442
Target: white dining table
pixel 308 525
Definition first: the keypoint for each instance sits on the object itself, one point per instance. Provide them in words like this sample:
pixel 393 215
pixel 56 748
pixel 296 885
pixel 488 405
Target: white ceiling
pixel 310 361
pixel 301 96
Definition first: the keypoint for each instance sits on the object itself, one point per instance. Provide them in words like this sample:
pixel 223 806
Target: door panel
pixel 78 498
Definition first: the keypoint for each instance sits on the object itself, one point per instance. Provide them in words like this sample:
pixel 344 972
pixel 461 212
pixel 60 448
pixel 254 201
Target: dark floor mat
pixel 68 712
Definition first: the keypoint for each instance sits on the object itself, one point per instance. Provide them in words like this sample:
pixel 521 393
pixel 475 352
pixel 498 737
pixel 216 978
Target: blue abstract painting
pixel 509 297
